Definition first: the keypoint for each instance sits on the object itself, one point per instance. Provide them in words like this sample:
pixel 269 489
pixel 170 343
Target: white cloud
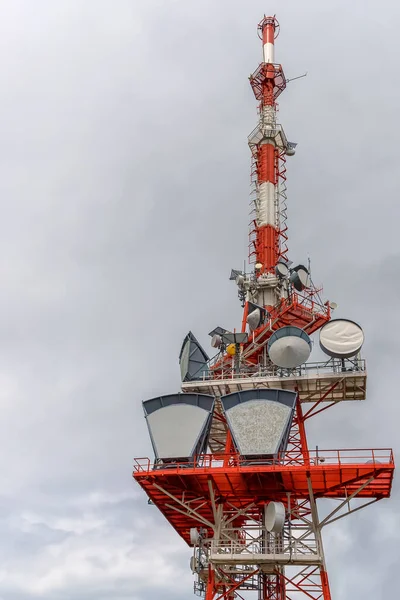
pixel 91 551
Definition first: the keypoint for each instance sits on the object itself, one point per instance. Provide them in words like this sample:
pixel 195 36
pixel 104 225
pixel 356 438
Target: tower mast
pixel 233 472
pixel 268 151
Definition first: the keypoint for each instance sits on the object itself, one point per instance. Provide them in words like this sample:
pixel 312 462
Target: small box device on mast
pixel 233 473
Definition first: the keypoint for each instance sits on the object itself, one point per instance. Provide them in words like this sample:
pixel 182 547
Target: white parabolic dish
pixel 274 517
pixel 341 338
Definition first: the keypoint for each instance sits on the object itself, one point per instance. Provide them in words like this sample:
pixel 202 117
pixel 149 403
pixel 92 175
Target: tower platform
pixel 181 491
pixel 314 382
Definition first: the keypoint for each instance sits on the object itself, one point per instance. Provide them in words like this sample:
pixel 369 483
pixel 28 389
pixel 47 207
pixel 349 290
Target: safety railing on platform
pixel 271 548
pixel 377 458
pixel 333 366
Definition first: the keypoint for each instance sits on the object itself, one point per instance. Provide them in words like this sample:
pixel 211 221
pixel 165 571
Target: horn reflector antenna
pixel 192 359
pixel 259 420
pixel 179 425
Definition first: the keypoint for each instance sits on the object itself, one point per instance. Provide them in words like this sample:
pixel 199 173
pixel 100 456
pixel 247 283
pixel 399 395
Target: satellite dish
pixel 274 517
pixel 333 305
pixel 341 338
pixel 194 535
pixel 258 266
pixel 216 341
pixel 289 347
pixel 281 270
pixel 300 278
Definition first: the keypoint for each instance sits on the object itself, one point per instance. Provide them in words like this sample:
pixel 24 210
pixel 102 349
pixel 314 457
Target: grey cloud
pixel 94 547
pixel 124 203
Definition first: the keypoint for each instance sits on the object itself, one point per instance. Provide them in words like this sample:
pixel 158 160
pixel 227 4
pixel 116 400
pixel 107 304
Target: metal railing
pixel 332 367
pixel 291 548
pixel 376 458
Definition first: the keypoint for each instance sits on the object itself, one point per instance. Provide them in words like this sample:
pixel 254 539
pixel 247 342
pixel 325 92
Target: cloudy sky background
pixel 124 180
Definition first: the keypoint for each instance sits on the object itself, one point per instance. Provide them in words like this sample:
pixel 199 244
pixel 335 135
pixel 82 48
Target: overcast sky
pixel 124 181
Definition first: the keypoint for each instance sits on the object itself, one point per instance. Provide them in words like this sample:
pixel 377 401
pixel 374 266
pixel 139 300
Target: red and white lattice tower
pixel 268 152
pixel 233 473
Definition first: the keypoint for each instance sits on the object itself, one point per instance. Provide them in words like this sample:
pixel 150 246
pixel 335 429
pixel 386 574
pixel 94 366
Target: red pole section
pixel 210 591
pixel 268 36
pixel 267 244
pixel 325 584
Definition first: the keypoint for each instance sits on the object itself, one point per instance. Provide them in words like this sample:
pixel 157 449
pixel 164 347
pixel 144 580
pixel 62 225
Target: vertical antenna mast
pixel 268 144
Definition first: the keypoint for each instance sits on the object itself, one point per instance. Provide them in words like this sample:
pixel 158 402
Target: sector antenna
pixel 232 470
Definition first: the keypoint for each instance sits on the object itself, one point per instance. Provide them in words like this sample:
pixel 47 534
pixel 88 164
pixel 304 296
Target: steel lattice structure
pixel 216 498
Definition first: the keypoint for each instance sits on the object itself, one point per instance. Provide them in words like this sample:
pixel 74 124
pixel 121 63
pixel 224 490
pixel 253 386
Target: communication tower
pixel 233 473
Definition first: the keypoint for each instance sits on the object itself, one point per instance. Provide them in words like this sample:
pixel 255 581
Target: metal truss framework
pixel 224 497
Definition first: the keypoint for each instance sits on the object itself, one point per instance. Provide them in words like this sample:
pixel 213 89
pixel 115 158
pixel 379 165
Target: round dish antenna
pixel 341 338
pixel 289 347
pixel 300 277
pixel 281 270
pixel 274 517
pixel 216 341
